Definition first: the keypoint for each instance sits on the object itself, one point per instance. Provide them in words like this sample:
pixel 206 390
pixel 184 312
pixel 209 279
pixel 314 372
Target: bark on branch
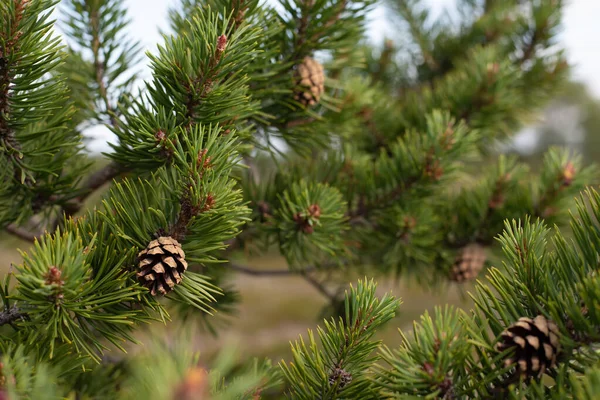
pixel 11 315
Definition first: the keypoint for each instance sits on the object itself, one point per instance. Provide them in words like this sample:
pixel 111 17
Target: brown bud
pixel 496 201
pixel 195 386
pixel 163 143
pixel 209 202
pixel 160 135
pixel 303 223
pixel 221 44
pixel 53 277
pixel 492 70
pixel 204 160
pixel 568 174
pixel 428 368
pixel 447 140
pixel 434 170
pixel 410 222
pixel 314 211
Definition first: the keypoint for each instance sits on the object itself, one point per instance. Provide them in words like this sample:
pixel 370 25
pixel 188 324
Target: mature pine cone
pixel 535 342
pixel 468 263
pixel 162 265
pixel 310 81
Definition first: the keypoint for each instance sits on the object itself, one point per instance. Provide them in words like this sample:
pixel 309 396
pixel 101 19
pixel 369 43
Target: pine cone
pixel 162 265
pixel 468 263
pixel 535 342
pixel 310 82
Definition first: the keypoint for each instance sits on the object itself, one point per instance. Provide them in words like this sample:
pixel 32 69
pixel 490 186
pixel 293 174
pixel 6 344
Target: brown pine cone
pixel 535 342
pixel 162 265
pixel 310 82
pixel 468 263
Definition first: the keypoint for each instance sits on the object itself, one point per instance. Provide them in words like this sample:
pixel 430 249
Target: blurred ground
pixel 275 310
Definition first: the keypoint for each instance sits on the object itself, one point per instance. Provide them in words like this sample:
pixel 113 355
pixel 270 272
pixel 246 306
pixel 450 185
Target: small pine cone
pixel 162 265
pixel 468 263
pixel 310 82
pixel 535 342
pixel 340 376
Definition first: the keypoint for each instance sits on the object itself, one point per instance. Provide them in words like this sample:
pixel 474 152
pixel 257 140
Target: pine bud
pixel 195 385
pixel 434 170
pixel 53 277
pixel 568 174
pixel 492 70
pixel 306 221
pixel 221 44
pixel 314 211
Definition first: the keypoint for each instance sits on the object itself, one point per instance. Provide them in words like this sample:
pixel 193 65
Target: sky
pixel 580 37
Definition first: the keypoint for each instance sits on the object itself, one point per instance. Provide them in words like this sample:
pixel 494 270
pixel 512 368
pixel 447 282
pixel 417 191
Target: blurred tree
pixel 572 119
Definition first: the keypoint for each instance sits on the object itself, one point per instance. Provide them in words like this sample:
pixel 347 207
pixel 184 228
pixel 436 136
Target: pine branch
pixel 529 51
pixel 94 182
pixel 302 36
pixel 204 82
pixel 415 23
pixel 22 233
pixel 11 315
pixel 319 286
pixel 99 65
pixel 100 177
pixel 240 7
pixel 363 209
pixel 303 272
pixel 8 48
pixel 268 272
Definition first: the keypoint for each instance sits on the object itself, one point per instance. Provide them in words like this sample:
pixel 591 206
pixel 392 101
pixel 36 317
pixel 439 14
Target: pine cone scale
pixel 535 343
pixel 161 265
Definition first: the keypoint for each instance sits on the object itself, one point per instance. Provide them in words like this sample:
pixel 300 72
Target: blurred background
pixel 262 327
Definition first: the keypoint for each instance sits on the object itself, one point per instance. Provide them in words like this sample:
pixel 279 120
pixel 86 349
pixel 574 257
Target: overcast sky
pixel 580 35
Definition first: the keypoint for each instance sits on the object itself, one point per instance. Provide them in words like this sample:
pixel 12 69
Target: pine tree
pixel 281 127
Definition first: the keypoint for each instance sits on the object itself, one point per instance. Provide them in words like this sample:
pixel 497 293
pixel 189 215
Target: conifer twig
pixel 304 273
pixel 363 209
pixel 10 315
pixel 268 272
pixel 94 182
pixel 202 85
pixel 319 286
pixel 21 233
pixel 99 66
